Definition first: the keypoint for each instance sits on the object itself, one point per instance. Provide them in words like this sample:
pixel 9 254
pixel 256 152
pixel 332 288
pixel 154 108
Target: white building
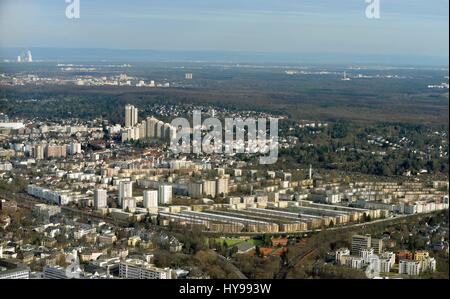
pixel 151 127
pixel 165 194
pixel 14 272
pixel 389 255
pixel 73 271
pixel 222 186
pixel 137 269
pixel 209 188
pixel 57 272
pixel 150 199
pixel 5 166
pixel 195 189
pixel 129 203
pixel 408 267
pixel 357 263
pixel 125 190
pixel 100 199
pixel 385 265
pixel 366 254
pixel 428 264
pixel 131 116
pixel 340 253
pixel 75 148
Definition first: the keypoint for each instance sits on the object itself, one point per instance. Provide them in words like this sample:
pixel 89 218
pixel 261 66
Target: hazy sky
pixel 415 27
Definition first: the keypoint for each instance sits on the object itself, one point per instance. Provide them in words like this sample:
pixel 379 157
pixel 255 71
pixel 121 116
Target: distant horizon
pixel 405 31
pixel 84 54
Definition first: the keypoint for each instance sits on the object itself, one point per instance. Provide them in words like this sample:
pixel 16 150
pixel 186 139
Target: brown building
pixel 403 255
pixel 56 151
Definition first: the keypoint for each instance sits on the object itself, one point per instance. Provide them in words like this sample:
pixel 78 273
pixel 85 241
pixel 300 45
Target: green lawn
pixel 231 241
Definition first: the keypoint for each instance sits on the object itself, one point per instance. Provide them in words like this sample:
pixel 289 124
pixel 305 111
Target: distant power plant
pixel 26 57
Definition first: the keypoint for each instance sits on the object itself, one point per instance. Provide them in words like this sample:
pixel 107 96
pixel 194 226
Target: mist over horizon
pixel 50 54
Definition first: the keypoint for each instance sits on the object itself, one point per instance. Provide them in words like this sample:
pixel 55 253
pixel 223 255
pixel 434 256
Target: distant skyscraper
pixel 167 131
pixel 128 113
pixel 151 127
pixel 131 116
pixel 159 129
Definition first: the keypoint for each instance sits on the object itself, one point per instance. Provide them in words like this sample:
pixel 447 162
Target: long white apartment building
pixel 137 269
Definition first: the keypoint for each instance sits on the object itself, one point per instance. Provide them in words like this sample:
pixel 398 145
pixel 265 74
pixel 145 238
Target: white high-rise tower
pixel 165 194
pixel 100 199
pixel 125 190
pixel 131 116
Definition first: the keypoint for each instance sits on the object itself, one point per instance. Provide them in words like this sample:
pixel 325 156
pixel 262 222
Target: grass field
pixel 234 241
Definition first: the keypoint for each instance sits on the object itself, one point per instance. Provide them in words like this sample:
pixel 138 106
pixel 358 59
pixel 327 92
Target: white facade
pixel 366 254
pixel 385 265
pixel 125 190
pixel 131 116
pixel 409 267
pixel 209 188
pixel 128 203
pixel 429 264
pixel 136 269
pixel 150 199
pixel 222 186
pixel 20 272
pixel 75 148
pixel 6 166
pixel 165 194
pixel 340 253
pixel 100 199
